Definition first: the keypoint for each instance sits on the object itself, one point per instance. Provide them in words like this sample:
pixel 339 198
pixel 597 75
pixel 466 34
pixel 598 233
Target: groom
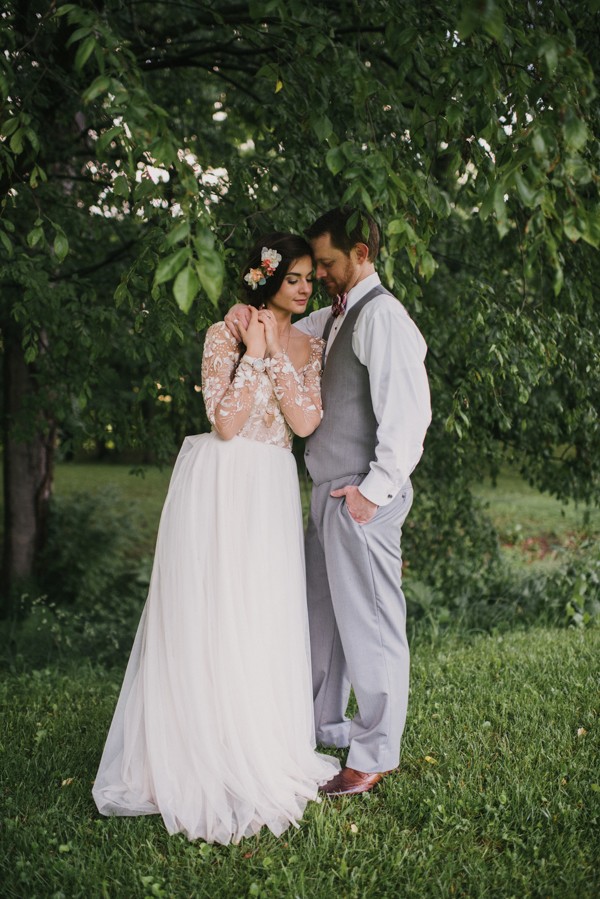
pixel 376 411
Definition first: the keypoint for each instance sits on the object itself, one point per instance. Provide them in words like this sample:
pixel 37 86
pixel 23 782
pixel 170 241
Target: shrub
pixel 92 585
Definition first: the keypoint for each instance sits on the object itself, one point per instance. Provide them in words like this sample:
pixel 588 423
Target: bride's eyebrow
pixel 297 274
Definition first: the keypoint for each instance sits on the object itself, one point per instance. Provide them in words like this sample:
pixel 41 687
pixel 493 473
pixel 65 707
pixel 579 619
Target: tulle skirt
pixel 214 724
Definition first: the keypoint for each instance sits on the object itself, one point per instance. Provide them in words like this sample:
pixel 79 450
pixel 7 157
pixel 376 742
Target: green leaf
pixel 270 71
pixel 454 114
pixel 538 143
pixel 559 277
pixel 121 293
pixel 107 137
pixel 527 194
pixel 179 232
pixel 549 50
pixel 578 170
pixel 121 186
pixel 64 10
pixel 34 237
pixel 389 271
pixel 211 272
pixel 6 242
pixel 78 34
pixel 469 21
pixel 16 141
pixel 493 22
pixel 185 288
pixel 335 160
pixel 204 241
pixel 397 226
pixel 84 51
pixel 97 87
pixel 575 131
pixel 322 127
pixel 61 246
pixel 168 267
pixel 33 139
pixel 10 126
pixel 427 265
pixel 33 177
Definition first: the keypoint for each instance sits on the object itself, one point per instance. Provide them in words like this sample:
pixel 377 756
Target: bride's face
pixel 296 288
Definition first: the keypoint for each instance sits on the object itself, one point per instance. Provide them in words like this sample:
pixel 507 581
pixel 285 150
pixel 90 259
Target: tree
pixel 468 129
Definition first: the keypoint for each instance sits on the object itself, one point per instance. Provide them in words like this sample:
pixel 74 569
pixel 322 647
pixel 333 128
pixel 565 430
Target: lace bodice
pixel 268 406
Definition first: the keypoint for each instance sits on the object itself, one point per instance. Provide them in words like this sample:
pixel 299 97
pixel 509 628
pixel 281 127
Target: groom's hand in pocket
pixel 361 509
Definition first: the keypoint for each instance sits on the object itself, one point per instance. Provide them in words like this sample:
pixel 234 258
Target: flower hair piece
pixel 269 260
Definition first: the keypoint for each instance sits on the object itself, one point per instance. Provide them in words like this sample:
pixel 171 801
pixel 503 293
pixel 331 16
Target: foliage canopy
pixel 144 144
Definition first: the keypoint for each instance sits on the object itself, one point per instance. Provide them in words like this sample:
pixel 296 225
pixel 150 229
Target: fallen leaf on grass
pixel 354 828
pixel 67 781
pixel 431 760
pixel 581 731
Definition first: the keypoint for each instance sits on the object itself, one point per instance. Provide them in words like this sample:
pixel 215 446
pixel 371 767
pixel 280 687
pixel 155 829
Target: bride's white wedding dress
pixel 214 724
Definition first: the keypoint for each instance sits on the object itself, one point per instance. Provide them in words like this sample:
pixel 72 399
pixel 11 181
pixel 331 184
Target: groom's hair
pixel 346 227
pixel 290 247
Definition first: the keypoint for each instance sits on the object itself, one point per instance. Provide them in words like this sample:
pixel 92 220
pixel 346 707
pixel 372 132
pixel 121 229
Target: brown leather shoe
pixel 349 782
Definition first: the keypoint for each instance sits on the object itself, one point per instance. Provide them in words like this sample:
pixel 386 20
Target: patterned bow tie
pixel 339 304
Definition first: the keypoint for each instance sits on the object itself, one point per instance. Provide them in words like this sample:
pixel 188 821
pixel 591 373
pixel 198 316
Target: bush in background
pixel 90 587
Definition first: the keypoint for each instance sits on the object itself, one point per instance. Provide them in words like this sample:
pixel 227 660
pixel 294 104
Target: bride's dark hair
pixel 290 247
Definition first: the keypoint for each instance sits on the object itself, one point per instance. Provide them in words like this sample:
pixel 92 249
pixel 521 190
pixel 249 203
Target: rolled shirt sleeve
pixel 390 345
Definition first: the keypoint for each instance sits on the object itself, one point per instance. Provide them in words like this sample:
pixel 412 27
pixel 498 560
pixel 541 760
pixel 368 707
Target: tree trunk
pixel 28 471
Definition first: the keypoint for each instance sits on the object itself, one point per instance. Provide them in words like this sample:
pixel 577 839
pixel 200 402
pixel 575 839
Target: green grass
pixel 533 526
pixel 498 793
pixel 143 495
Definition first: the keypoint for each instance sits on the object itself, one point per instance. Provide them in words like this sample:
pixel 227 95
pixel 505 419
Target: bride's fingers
pixel 266 318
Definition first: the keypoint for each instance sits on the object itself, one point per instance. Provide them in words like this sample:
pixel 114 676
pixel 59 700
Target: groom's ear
pixel 360 253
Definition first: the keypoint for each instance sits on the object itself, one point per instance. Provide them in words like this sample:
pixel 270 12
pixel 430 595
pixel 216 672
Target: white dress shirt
pixel 389 344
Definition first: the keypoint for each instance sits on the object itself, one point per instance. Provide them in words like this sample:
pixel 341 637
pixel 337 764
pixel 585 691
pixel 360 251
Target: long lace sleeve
pixel 228 389
pixel 299 393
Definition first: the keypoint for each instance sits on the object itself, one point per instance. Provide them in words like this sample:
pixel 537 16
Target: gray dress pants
pixel 357 616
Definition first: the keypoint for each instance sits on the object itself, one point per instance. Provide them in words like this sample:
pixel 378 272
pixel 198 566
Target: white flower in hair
pixel 270 259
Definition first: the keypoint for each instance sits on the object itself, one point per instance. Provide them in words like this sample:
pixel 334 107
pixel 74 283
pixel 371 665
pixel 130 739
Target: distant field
pixel 519 512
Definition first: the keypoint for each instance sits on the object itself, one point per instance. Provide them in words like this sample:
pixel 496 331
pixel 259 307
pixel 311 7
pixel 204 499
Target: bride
pixel 213 728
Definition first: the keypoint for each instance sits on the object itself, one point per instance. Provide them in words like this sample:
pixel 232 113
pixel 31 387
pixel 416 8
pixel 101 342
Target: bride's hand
pixel 271 331
pixel 253 335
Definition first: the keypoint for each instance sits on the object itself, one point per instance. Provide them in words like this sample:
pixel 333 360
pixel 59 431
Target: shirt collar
pixel 361 289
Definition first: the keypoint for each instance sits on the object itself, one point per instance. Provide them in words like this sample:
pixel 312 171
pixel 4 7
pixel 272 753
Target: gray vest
pixel 344 443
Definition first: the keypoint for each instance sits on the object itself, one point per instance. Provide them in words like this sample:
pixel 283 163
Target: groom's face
pixel 336 269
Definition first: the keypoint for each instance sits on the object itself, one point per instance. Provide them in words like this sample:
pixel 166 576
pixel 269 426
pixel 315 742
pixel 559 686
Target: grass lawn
pixel 498 794
pixel 531 525
pixel 141 494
